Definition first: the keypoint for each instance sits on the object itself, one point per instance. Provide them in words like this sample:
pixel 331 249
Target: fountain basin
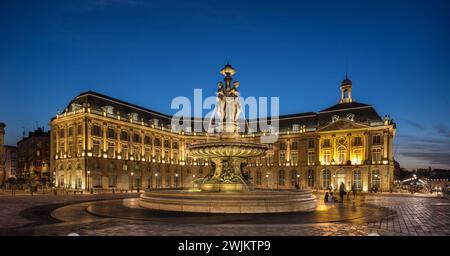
pixel 257 201
pixel 227 149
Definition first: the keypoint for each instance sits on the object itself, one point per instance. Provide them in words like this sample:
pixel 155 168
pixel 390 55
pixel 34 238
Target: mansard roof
pixel 360 112
pixel 341 106
pixel 96 101
pixel 363 113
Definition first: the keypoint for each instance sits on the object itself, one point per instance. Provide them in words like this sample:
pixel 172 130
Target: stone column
pixel 366 146
pixel 349 148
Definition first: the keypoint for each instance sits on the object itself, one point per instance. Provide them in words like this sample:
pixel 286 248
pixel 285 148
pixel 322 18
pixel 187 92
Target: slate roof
pixel 363 113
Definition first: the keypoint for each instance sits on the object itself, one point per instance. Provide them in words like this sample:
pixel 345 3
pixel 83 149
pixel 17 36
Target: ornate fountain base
pixel 257 201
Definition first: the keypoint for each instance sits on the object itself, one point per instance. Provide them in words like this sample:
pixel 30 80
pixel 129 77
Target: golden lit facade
pixel 104 143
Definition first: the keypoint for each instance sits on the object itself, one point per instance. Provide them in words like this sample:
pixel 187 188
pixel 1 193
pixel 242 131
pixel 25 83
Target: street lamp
pixel 132 173
pixel 298 181
pixel 267 178
pixel 193 183
pixel 157 183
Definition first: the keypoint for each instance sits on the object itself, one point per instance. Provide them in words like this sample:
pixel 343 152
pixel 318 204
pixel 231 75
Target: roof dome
pixel 346 81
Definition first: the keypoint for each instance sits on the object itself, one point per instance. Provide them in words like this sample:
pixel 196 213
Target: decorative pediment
pixel 341 124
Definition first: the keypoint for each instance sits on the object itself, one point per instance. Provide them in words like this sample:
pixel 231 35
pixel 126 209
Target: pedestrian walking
pixel 342 191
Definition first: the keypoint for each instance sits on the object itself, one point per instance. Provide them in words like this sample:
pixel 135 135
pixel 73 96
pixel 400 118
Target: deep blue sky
pixel 147 52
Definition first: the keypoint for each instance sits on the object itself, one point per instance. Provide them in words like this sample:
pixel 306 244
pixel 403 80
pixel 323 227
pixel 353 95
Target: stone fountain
pixel 227 188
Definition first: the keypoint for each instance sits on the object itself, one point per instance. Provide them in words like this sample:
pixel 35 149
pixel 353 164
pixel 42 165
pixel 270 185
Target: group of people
pixel 330 198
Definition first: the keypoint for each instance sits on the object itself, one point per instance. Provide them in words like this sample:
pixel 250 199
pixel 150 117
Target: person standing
pixel 342 191
pixel 354 190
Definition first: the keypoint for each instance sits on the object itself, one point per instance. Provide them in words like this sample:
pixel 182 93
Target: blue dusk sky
pixel 148 52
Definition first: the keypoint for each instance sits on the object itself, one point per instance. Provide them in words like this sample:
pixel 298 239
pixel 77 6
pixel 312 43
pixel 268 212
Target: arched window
pixel 357 179
pixel 375 179
pixel 311 178
pixel 281 177
pixel 326 177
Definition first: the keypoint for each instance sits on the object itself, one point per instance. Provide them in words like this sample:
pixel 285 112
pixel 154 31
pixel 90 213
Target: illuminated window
pixel 124 136
pixel 137 152
pixel 96 130
pixel 326 156
pixel 111 149
pixel 326 178
pixel 111 133
pixel 376 139
pixel 311 143
pixel 376 155
pixel 326 143
pixel 282 157
pixel 148 153
pixel 96 148
pixel 357 179
pixel 311 157
pixel 136 138
pixel 294 157
pixel 294 145
pixel 147 140
pixel 341 155
pixel 281 177
pixel 310 178
pixel 124 151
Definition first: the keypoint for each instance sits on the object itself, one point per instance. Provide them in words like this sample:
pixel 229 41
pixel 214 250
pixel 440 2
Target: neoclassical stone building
pixel 102 142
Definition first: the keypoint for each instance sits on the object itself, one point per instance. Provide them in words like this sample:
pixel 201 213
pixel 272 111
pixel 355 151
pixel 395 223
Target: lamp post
pixel 298 181
pixel 267 178
pixel 132 173
pixel 193 183
pixel 156 175
pixel 176 180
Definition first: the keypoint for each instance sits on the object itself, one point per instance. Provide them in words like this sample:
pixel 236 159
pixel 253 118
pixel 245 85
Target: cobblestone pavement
pixel 28 215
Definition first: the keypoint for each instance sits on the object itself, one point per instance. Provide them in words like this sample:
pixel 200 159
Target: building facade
pixel 10 162
pixel 103 142
pixel 2 154
pixel 33 157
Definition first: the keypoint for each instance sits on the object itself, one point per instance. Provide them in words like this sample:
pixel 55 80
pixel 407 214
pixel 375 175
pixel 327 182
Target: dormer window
pixel 75 106
pixel 334 118
pixel 155 122
pixel 109 110
pixel 351 117
pixel 134 117
pixel 295 127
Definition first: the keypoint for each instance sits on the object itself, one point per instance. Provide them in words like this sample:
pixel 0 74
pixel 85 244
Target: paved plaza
pixel 119 214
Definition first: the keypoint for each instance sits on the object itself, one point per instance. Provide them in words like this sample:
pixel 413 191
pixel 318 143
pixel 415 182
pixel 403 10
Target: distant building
pixel 33 156
pixel 2 154
pixel 10 162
